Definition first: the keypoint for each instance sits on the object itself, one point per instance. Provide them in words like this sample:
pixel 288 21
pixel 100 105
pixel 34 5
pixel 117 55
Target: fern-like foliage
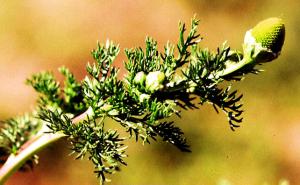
pixel 13 135
pixel 157 85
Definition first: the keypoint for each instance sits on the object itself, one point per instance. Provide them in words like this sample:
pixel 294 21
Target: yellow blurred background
pixel 40 35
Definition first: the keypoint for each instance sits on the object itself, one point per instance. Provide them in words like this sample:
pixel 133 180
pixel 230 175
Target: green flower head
pixel 270 33
pixel 264 41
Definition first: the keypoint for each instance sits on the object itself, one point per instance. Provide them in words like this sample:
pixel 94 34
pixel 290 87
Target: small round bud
pixel 154 81
pixel 140 78
pixel 144 97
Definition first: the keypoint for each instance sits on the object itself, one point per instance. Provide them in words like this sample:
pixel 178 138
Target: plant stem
pixel 32 146
pixel 236 66
pixel 38 142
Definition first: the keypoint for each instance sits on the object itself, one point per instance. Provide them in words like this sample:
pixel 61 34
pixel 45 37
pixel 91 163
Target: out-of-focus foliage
pixel 38 35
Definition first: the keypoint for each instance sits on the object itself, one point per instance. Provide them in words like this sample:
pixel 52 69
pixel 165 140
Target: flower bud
pixel 140 78
pixel 270 33
pixel 154 81
pixel 264 42
pixel 144 97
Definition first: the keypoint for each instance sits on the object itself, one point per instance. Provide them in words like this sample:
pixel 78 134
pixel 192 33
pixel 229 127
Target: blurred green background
pixel 40 35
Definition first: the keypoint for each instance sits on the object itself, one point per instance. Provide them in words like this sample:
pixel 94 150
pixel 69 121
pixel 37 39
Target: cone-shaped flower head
pixel 270 33
pixel 262 43
pixel 265 40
